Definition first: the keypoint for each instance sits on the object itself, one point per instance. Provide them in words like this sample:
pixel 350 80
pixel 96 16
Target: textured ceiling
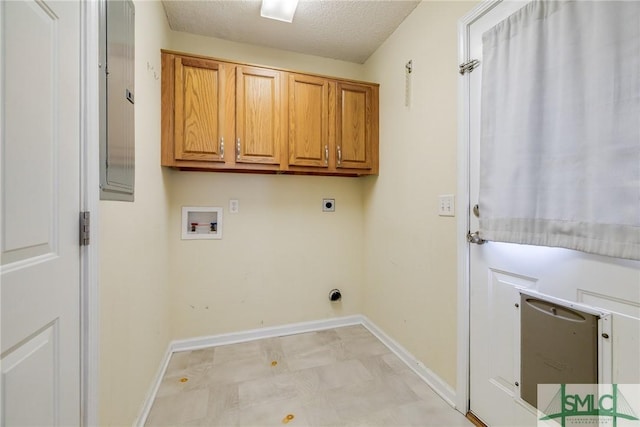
pixel 349 30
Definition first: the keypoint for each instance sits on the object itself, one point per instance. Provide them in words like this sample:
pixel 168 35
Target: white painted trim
pixel 269 332
pixel 462 375
pixel 89 201
pixel 444 390
pixel 155 385
pixel 464 207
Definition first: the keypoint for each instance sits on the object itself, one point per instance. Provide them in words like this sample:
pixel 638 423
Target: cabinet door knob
pixel 326 154
pixel 339 155
pixel 222 147
pixel 238 149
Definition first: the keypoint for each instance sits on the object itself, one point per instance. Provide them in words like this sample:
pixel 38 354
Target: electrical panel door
pixel 117 130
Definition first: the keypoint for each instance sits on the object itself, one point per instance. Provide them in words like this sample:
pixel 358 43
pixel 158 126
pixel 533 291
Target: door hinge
pixel 469 66
pixel 85 226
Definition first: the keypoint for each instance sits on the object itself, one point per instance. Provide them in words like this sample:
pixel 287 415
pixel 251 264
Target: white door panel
pixel 499 270
pixel 40 183
pixel 29 76
pixel 34 363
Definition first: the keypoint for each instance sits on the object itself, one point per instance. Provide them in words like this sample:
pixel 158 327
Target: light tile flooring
pixel 337 377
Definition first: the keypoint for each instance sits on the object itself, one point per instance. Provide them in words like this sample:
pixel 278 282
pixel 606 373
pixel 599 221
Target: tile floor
pixel 337 377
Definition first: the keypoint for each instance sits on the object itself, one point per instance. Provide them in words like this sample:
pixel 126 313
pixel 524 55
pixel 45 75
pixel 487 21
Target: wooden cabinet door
pixel 354 126
pixel 225 116
pixel 199 109
pixel 259 127
pixel 308 121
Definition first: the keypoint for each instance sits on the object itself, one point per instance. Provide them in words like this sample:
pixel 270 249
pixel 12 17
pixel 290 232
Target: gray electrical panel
pixel 558 344
pixel 117 130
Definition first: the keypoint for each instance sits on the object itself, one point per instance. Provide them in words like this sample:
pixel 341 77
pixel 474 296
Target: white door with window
pixel 40 183
pixel 499 270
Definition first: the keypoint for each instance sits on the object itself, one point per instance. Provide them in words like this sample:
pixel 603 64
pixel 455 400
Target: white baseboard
pixel 445 391
pixel 268 332
pixel 155 385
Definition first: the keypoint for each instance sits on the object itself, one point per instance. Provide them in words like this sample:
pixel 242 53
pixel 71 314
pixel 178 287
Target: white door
pixel 499 270
pixel 40 261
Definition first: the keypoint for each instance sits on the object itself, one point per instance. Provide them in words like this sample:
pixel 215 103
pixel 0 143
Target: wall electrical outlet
pixel 234 206
pixel 446 205
pixel 328 205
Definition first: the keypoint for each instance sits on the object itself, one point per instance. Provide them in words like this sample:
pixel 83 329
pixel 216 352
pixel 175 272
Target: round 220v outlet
pixel 328 205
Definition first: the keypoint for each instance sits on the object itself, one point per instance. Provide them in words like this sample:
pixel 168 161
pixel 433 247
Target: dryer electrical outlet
pixel 328 205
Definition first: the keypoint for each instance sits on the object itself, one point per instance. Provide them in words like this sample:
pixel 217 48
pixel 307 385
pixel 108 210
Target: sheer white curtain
pixel 560 141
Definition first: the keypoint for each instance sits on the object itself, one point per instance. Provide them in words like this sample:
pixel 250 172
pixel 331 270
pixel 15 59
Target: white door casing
pixel 498 270
pixel 40 183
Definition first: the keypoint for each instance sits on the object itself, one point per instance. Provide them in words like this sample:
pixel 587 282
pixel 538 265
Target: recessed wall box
pixel 201 222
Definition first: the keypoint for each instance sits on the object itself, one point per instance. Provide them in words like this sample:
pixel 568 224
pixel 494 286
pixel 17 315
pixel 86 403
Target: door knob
pixel 475 238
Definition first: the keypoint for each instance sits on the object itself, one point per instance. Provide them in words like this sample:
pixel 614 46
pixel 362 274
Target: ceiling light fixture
pixel 280 10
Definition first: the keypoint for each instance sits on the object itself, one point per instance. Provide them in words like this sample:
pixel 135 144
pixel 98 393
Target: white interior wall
pixel 279 256
pixel 259 55
pixel 410 251
pixel 134 248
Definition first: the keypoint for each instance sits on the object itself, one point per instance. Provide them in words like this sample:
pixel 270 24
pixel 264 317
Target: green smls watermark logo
pixel 589 405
